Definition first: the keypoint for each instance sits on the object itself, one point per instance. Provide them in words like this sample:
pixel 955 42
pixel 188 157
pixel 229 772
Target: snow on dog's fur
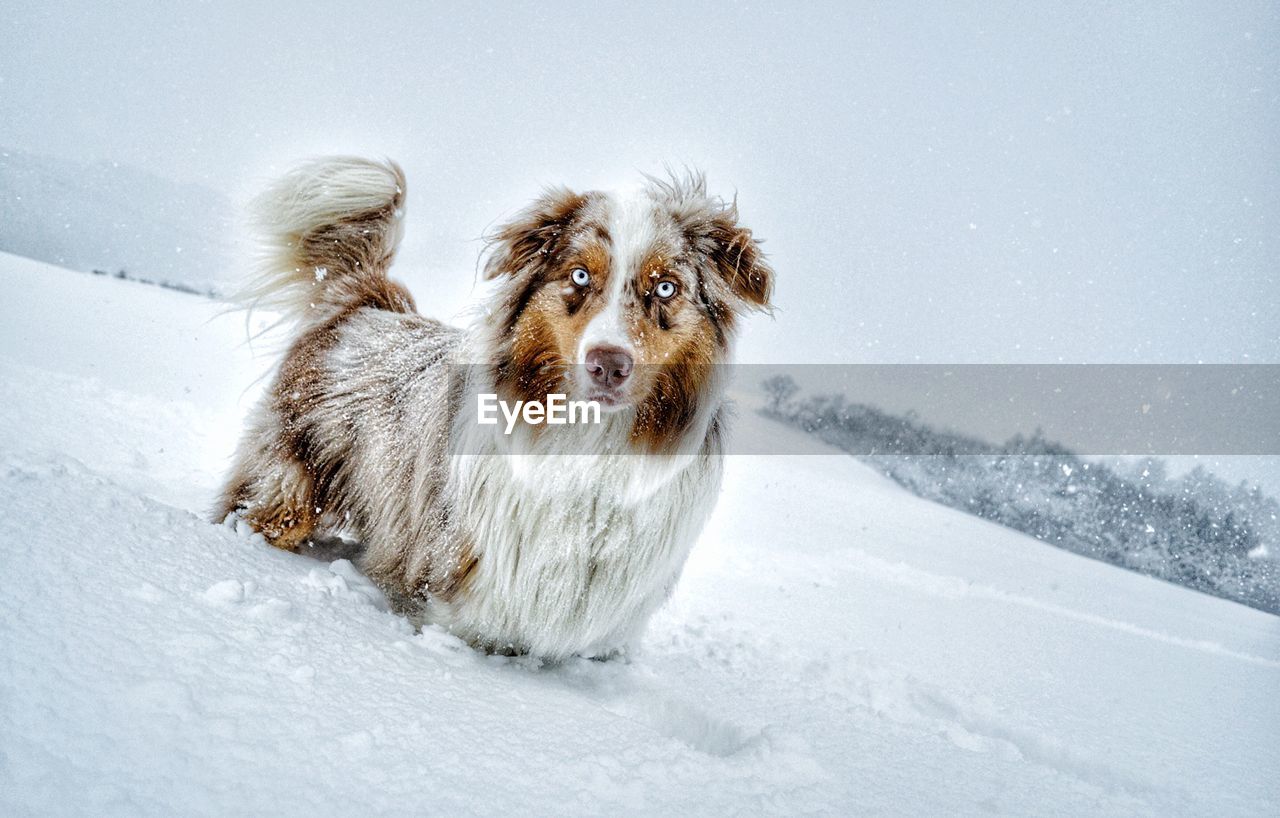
pixel 554 540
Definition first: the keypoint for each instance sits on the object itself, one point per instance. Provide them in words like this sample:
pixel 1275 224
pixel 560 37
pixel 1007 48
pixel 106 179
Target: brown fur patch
pixel 286 491
pixel 287 523
pixel 671 400
pixel 536 365
pixel 524 244
pixel 277 503
pixel 737 257
pixel 531 251
pixel 357 255
pixel 449 581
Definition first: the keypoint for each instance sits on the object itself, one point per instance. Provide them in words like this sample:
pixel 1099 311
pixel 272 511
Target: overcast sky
pixel 1001 182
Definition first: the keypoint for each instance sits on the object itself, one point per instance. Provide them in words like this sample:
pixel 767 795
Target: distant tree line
pixel 124 275
pixel 1196 530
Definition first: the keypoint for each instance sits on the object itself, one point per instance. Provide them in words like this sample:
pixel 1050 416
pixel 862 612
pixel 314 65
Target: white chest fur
pixel 574 551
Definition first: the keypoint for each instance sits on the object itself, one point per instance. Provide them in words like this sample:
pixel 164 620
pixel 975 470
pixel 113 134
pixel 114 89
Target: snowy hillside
pixel 108 216
pixel 836 646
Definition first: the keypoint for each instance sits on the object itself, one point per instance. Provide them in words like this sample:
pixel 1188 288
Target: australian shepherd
pixel 547 540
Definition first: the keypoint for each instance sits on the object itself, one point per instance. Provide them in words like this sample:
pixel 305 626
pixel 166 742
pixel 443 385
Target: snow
pixel 836 645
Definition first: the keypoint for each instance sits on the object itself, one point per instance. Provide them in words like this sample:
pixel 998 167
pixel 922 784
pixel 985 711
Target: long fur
pixel 327 233
pixel 553 544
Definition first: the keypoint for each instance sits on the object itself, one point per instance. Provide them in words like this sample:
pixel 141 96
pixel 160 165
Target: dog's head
pixel 626 299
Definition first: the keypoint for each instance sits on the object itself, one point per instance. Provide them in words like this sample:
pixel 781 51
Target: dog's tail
pixel 328 231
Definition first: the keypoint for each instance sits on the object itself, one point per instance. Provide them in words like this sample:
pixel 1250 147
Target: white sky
pixel 1000 182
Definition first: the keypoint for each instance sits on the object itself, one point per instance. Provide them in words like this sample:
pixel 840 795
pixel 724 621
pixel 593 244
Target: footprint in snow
pixel 226 592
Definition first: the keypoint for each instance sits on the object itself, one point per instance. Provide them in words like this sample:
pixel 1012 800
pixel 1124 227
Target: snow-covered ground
pixel 836 646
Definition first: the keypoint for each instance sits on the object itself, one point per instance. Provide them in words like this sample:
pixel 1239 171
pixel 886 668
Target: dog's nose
pixel 608 366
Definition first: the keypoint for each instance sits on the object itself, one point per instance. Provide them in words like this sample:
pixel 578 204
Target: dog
pixel 550 541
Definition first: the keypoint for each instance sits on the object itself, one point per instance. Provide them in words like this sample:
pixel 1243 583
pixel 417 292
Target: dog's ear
pixel 534 235
pixel 737 257
pixel 711 227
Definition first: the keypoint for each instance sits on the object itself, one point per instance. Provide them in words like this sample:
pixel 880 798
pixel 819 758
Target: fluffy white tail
pixel 329 230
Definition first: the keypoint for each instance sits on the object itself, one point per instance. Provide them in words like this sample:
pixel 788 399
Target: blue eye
pixel 580 277
pixel 665 289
